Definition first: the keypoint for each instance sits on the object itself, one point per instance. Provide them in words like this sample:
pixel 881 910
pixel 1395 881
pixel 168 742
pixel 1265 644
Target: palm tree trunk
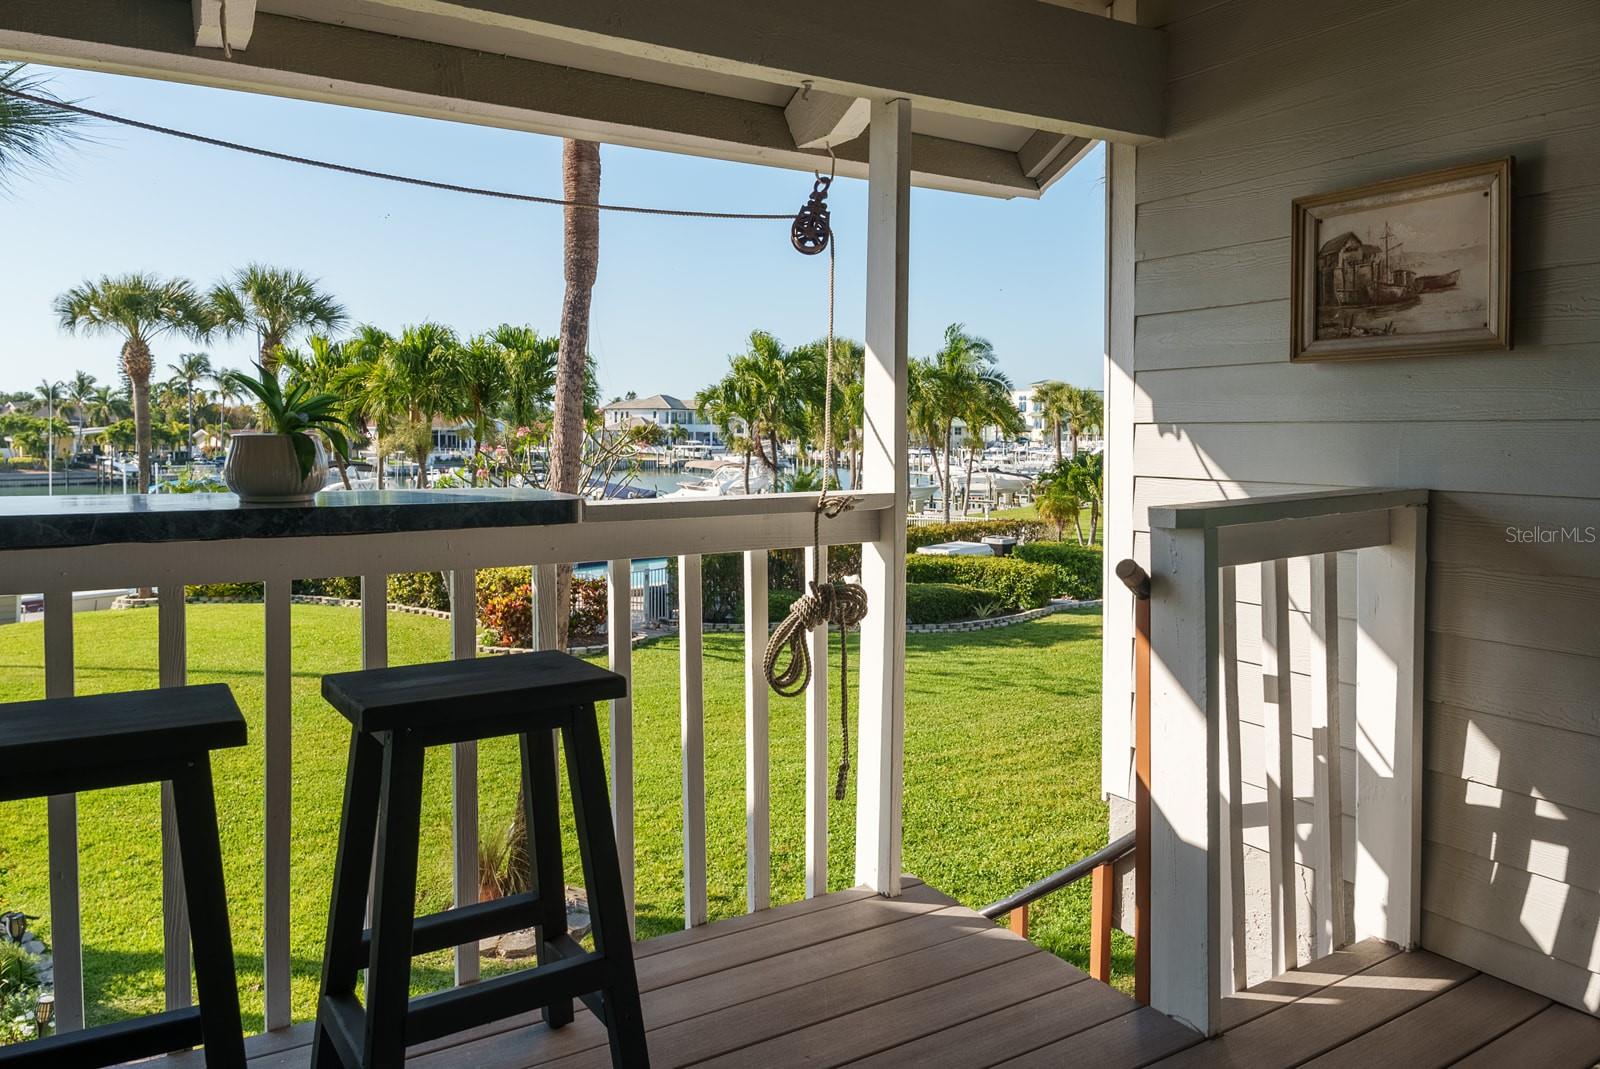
pixel 772 435
pixel 747 472
pixel 580 182
pixel 966 492
pixel 1072 433
pixel 269 353
pixel 136 362
pixel 949 489
pixel 1058 441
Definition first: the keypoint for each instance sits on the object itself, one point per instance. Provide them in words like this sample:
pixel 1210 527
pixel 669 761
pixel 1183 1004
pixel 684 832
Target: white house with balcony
pixel 665 411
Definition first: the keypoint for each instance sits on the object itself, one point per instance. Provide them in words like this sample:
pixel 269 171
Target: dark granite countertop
pixel 91 520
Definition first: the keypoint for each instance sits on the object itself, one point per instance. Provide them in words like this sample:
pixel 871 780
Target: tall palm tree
pixel 531 372
pixel 190 369
pixel 989 405
pixel 1054 398
pixel 364 382
pixel 962 369
pixel 276 303
pixel 580 184
pixel 29 133
pixel 139 308
pixel 777 385
pixel 104 406
pixel 727 404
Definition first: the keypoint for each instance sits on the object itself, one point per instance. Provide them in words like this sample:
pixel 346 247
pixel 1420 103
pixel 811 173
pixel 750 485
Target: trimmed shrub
pixel 941 603
pixel 929 534
pixel 251 591
pixel 1016 584
pixel 505 608
pixel 348 586
pixel 420 590
pixel 1077 568
pixel 779 602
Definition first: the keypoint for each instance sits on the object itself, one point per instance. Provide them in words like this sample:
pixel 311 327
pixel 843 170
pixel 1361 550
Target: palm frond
pixel 30 133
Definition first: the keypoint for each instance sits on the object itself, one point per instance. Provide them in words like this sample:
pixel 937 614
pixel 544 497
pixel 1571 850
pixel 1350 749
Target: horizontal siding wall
pixel 1269 101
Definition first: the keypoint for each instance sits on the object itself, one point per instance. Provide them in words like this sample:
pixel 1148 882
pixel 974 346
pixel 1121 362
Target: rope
pixel 838 603
pixel 385 176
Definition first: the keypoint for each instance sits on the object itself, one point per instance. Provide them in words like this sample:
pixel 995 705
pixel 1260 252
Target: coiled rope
pixel 838 603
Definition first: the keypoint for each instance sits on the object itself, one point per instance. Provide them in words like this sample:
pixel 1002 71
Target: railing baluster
pixel 173 644
pixel 375 620
pixel 464 769
pixel 66 929
pixel 619 632
pixel 546 611
pixel 817 783
pixel 757 769
pixel 279 727
pixel 1232 834
pixel 692 730
pixel 1278 735
pixel 1328 829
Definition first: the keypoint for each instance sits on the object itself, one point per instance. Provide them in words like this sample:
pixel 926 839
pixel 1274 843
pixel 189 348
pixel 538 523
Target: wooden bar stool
pixel 66 745
pixel 395 714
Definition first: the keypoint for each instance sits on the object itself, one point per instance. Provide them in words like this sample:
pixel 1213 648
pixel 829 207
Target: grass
pixel 1001 774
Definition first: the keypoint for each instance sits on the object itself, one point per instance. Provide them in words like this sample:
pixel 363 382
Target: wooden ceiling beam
pixel 335 64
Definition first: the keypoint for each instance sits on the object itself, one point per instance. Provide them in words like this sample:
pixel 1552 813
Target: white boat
pixel 994 481
pixel 726 481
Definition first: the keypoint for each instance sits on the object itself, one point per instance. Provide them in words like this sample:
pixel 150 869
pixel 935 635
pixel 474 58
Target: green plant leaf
pixel 305 451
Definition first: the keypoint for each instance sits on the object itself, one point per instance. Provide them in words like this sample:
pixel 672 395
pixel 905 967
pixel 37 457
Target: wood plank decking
pixel 850 978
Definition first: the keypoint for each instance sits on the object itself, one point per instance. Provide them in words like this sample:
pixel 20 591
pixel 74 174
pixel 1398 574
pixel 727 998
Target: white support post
pixel 1231 830
pixel 1185 795
pixel 66 928
pixel 817 782
pixel 173 652
pixel 619 632
pixel 692 738
pixel 279 748
pixel 881 725
pixel 464 770
pixel 1390 600
pixel 757 769
pixel 546 612
pixel 1277 720
pixel 375 620
pixel 1332 930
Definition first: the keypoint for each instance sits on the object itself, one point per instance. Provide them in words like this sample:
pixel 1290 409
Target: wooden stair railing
pixel 1101 865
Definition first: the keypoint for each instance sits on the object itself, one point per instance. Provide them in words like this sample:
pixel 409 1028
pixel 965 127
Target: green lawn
pixel 1001 759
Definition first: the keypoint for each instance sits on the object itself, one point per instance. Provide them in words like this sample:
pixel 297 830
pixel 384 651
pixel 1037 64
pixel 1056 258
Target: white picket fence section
pixel 613 532
pixel 1247 670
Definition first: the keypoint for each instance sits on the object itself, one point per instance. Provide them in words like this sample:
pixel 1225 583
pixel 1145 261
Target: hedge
pixel 1016 584
pixel 942 603
pixel 505 607
pixel 928 534
pixel 1077 568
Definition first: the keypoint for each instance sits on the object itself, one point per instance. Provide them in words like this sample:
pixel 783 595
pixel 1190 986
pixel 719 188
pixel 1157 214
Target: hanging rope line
pixel 385 176
pixel 841 604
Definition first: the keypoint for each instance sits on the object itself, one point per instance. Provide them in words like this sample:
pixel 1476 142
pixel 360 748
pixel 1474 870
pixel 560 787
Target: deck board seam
pixel 1375 1025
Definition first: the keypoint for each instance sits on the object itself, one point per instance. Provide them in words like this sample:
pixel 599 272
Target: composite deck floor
pixel 850 978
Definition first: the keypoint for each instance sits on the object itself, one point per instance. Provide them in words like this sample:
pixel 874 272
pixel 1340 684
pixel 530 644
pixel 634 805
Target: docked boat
pixel 726 481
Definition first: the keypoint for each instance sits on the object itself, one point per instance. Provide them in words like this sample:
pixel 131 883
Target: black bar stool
pixel 66 745
pixel 395 714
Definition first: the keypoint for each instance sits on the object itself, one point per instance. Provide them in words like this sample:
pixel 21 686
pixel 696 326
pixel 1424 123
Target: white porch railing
pixel 1205 560
pixel 614 532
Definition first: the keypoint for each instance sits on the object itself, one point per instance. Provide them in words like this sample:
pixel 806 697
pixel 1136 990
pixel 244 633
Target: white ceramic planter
pixel 261 468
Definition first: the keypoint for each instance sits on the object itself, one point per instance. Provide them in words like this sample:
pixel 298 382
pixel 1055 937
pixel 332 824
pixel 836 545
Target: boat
pixel 726 481
pixel 1435 283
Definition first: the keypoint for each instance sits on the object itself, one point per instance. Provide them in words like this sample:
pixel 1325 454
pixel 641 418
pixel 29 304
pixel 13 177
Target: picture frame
pixel 1411 266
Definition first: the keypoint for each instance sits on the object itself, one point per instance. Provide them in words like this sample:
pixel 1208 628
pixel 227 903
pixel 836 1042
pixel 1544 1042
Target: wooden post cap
pixel 1134 577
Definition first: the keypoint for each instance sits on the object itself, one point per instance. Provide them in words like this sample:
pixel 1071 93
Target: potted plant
pixel 284 463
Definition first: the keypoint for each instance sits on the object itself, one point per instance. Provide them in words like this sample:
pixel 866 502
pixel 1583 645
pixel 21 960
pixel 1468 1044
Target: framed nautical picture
pixel 1412 266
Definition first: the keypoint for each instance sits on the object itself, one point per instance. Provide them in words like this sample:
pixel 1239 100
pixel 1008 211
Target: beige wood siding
pixel 1270 100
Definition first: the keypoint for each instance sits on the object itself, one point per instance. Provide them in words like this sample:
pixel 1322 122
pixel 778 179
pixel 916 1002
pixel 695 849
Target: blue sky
pixel 674 297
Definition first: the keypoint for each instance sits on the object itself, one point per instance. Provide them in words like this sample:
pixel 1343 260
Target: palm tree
pixel 417 375
pixel 190 369
pixel 29 132
pixel 531 369
pixel 580 184
pixel 139 308
pixel 364 382
pixel 482 378
pixel 961 370
pixel 1053 397
pixel 104 406
pixel 1056 498
pixel 988 406
pixel 1085 412
pixel 776 384
pixel 79 391
pixel 727 404
pixel 324 366
pixel 849 359
pixel 276 303
pixel 1085 477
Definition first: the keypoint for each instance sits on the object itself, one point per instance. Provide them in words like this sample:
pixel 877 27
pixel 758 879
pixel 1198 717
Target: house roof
pixel 646 404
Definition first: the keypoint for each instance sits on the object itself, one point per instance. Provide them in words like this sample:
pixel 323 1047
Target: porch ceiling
pixel 1007 94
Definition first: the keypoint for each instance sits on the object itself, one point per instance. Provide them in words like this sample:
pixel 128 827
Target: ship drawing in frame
pixel 1412 266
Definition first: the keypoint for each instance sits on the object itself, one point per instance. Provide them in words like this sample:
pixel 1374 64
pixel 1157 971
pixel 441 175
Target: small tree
pixel 1057 500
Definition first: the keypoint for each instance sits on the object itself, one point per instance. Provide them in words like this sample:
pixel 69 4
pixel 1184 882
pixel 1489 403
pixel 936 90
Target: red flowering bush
pixel 505 608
